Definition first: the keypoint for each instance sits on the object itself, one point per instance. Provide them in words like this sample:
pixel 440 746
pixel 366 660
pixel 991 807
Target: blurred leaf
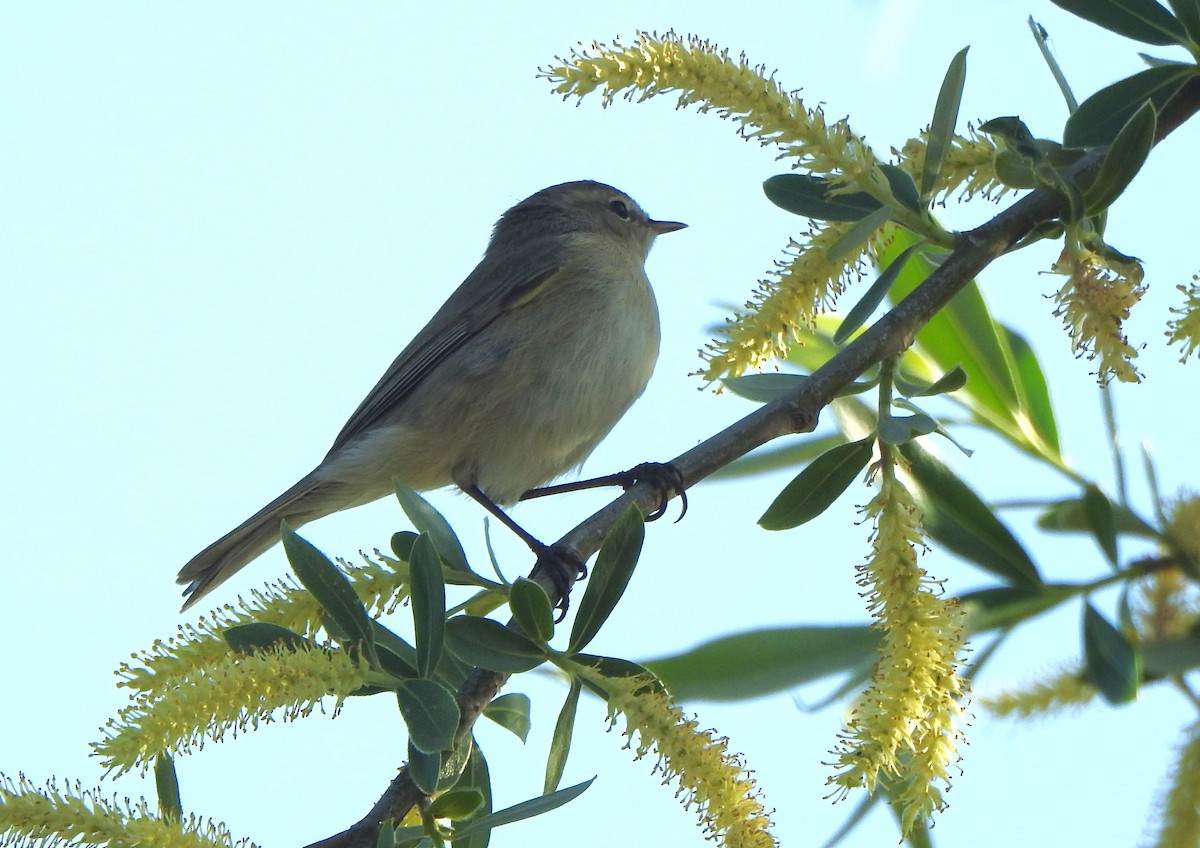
pixel 1098 513
pixel 951 381
pixel 764 388
pixel 1171 657
pixel 854 239
pixel 261 635
pixel 511 712
pixel 166 785
pixel 524 810
pixel 431 713
pixel 1188 13
pixel 1005 606
pixel 945 117
pixel 488 644
pixel 1141 20
pixel 1112 664
pixel 530 606
pixel 869 302
pixel 1068 516
pixel 816 487
pixel 762 662
pixel 776 456
pixel 1099 118
pixel 813 197
pixel 331 589
pixel 560 743
pixel 1032 383
pixel 857 815
pixel 476 776
pixel 1124 159
pixel 428 520
pixel 428 596
pixel 958 519
pixel 902 429
pixel 456 804
pixel 424 768
pixel 902 186
pixel 614 566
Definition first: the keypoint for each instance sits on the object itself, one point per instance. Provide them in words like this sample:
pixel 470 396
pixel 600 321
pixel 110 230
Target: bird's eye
pixel 621 208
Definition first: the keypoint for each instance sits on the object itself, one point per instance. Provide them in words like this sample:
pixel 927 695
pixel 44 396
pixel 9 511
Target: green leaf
pixel 166 784
pixel 1016 136
pixel 945 117
pixel 1124 159
pixel 1068 516
pixel 1171 657
pixel 1141 20
pixel 511 712
pixel 614 566
pixel 813 197
pixel 816 487
pixel 431 713
pixel 1005 606
pixel 488 644
pixel 530 606
pixel 428 595
pixel 903 188
pixel 560 742
pixel 1099 118
pixel 1188 13
pixel 331 589
pixel 874 296
pixel 762 662
pixel 951 381
pixel 476 776
pixel 386 838
pixel 854 239
pixel 1112 663
pixel 1098 513
pixel 428 520
pixel 1031 382
pixel 778 455
pixel 424 768
pixel 456 804
pixel 764 388
pixel 524 810
pixel 1014 170
pixel 902 429
pixel 615 667
pixel 260 636
pixel 959 520
pixel 402 542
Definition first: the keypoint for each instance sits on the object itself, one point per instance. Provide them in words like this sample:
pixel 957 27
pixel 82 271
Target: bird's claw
pixel 565 567
pixel 665 479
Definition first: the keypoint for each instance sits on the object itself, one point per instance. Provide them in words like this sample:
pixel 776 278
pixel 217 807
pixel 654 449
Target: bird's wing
pixel 493 288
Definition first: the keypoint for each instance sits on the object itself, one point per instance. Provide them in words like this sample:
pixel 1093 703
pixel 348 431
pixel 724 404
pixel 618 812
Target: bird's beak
pixel 660 227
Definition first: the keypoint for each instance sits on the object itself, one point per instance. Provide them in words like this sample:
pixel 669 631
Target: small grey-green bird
pixel 515 380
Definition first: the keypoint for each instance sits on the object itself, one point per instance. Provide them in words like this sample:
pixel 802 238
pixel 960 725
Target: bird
pixel 515 380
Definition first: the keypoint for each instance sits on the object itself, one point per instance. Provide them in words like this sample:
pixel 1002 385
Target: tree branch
pixel 795 413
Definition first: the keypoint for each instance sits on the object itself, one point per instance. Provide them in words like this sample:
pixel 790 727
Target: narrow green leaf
pixel 476 776
pixel 456 804
pixel 1125 158
pixel 1099 118
pixel 386 838
pixel 854 239
pixel 396 656
pixel 813 197
pixel 764 388
pixel 1188 13
pixel 166 784
pixel 488 644
pixel 1113 665
pixel 951 381
pixel 1031 385
pixel 431 713
pixel 959 520
pixel 874 296
pixel 1006 606
pixel 524 810
pixel 945 118
pixel 428 595
pixel 816 487
pixel 788 454
pixel 424 768
pixel 401 544
pixel 560 742
pixel 1171 657
pixel 1068 516
pixel 511 712
pixel 1141 20
pixel 762 662
pixel 1098 513
pixel 903 188
pixel 614 566
pixel 530 606
pixel 330 588
pixel 261 635
pixel 428 520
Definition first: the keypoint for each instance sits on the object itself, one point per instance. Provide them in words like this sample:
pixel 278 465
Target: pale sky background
pixel 222 221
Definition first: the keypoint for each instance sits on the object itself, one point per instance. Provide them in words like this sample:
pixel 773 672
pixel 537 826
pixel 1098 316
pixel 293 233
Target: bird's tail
pixel 307 500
